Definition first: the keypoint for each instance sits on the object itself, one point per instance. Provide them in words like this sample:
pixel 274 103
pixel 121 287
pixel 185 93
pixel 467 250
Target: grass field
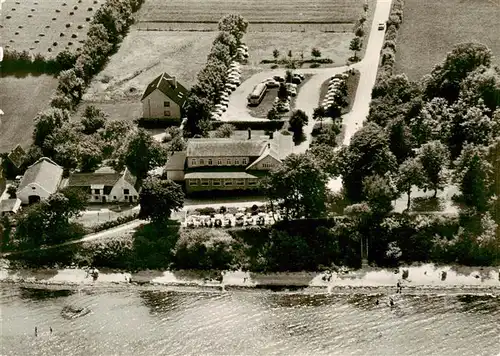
pixel 332 45
pixel 255 11
pixel 46 26
pixel 21 99
pixel 430 29
pixel 143 56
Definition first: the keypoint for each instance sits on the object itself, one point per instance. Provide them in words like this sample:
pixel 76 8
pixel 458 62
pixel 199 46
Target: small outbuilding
pixel 40 180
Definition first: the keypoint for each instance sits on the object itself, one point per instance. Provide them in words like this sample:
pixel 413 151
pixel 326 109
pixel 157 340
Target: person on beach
pixel 36 331
pixel 398 287
pixel 391 302
pixel 50 329
pixel 376 303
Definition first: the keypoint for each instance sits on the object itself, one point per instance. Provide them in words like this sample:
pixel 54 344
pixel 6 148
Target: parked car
pixel 279 79
pixel 271 83
pixel 381 26
pixel 298 74
pixel 283 106
pixel 231 86
pixel 296 80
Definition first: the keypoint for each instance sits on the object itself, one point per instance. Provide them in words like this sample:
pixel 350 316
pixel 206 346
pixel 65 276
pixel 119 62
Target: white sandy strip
pixel 425 276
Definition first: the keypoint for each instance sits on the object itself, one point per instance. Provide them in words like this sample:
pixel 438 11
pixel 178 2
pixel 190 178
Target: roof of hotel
pixel 100 177
pixel 176 161
pixel 224 147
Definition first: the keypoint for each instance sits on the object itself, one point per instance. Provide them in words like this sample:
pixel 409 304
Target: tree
pixel 273 114
pixel 176 144
pixel 483 85
pixel 379 193
pixel 235 25
pixel 282 92
pixel 316 53
pixel 228 40
pixel 93 119
pixel 66 59
pixel 276 53
pixel 409 175
pixel 319 114
pixel 297 122
pixel 197 111
pixel 433 156
pixel 12 192
pixel 46 122
pixel 142 153
pixel 220 52
pixel 224 131
pixel 355 46
pixel 445 79
pixel 61 101
pixel 400 139
pixel 298 186
pixel 288 76
pixel 432 123
pixel 473 175
pixel 368 154
pixel 89 155
pixel 159 198
pixel 71 85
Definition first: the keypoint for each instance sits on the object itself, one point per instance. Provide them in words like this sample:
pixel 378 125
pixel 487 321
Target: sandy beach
pixel 413 279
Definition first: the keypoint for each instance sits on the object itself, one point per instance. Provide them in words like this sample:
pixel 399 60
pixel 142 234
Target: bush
pixel 204 249
pixel 206 211
pixel 113 223
pixel 115 252
pixel 314 65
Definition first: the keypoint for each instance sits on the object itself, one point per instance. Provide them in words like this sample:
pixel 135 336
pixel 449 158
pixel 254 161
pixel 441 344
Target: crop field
pixel 430 29
pixel 21 99
pixel 46 26
pixel 255 11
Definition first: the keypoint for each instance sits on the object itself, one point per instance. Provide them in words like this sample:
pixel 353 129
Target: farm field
pixel 143 56
pixel 255 11
pixel 37 25
pixel 430 29
pixel 21 99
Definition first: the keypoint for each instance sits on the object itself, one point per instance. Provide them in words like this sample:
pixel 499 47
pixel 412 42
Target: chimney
pixel 174 82
pixel 249 133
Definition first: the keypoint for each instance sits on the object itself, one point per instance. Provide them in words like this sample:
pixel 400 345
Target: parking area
pixel 232 217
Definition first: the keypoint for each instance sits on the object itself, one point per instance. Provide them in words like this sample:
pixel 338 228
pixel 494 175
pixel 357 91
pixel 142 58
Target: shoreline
pixel 422 279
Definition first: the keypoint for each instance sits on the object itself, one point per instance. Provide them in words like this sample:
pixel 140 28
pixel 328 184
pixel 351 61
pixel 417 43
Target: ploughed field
pixel 283 15
pixel 431 28
pixel 46 26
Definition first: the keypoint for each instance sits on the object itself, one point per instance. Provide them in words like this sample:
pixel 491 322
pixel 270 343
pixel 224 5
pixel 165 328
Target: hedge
pixel 113 223
pixel 388 53
pixel 152 123
pixel 253 125
pixel 17 62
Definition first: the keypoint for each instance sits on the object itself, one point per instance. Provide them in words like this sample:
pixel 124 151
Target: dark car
pixel 279 79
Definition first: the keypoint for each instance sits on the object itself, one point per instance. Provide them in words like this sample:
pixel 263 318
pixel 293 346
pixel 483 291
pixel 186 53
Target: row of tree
pixel 212 78
pixel 359 33
pixel 388 55
pixel 19 63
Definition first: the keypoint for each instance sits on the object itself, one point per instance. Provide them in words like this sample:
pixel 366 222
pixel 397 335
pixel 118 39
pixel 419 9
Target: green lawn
pixel 430 29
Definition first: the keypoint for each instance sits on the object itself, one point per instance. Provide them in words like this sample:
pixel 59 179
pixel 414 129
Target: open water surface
pixel 246 322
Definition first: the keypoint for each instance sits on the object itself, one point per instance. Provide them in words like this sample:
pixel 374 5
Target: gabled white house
pixel 40 180
pixel 164 98
pixel 105 185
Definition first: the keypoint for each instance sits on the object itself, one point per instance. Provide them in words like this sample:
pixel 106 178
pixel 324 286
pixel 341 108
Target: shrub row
pixel 388 54
pixel 113 223
pixel 298 62
pixel 16 62
pixel 253 125
pixel 212 78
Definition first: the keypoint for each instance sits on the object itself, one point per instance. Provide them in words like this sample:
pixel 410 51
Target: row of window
pixel 125 191
pixel 220 161
pixel 220 182
pixel 99 197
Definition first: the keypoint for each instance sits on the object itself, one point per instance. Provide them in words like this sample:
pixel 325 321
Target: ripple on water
pixel 135 322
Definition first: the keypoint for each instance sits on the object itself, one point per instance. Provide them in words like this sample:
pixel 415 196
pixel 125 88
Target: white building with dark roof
pixel 40 180
pixel 105 185
pixel 164 97
pixel 228 164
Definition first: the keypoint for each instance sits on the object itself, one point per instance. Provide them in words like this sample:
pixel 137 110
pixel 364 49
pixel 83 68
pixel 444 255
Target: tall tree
pixel 355 46
pixel 93 119
pixel 297 121
pixel 319 114
pixel 298 186
pixel 141 154
pixel 434 157
pixel 235 25
pixel 47 122
pixel 473 175
pixel 409 175
pixel 379 192
pixel 445 79
pixel 159 198
pixel 368 154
